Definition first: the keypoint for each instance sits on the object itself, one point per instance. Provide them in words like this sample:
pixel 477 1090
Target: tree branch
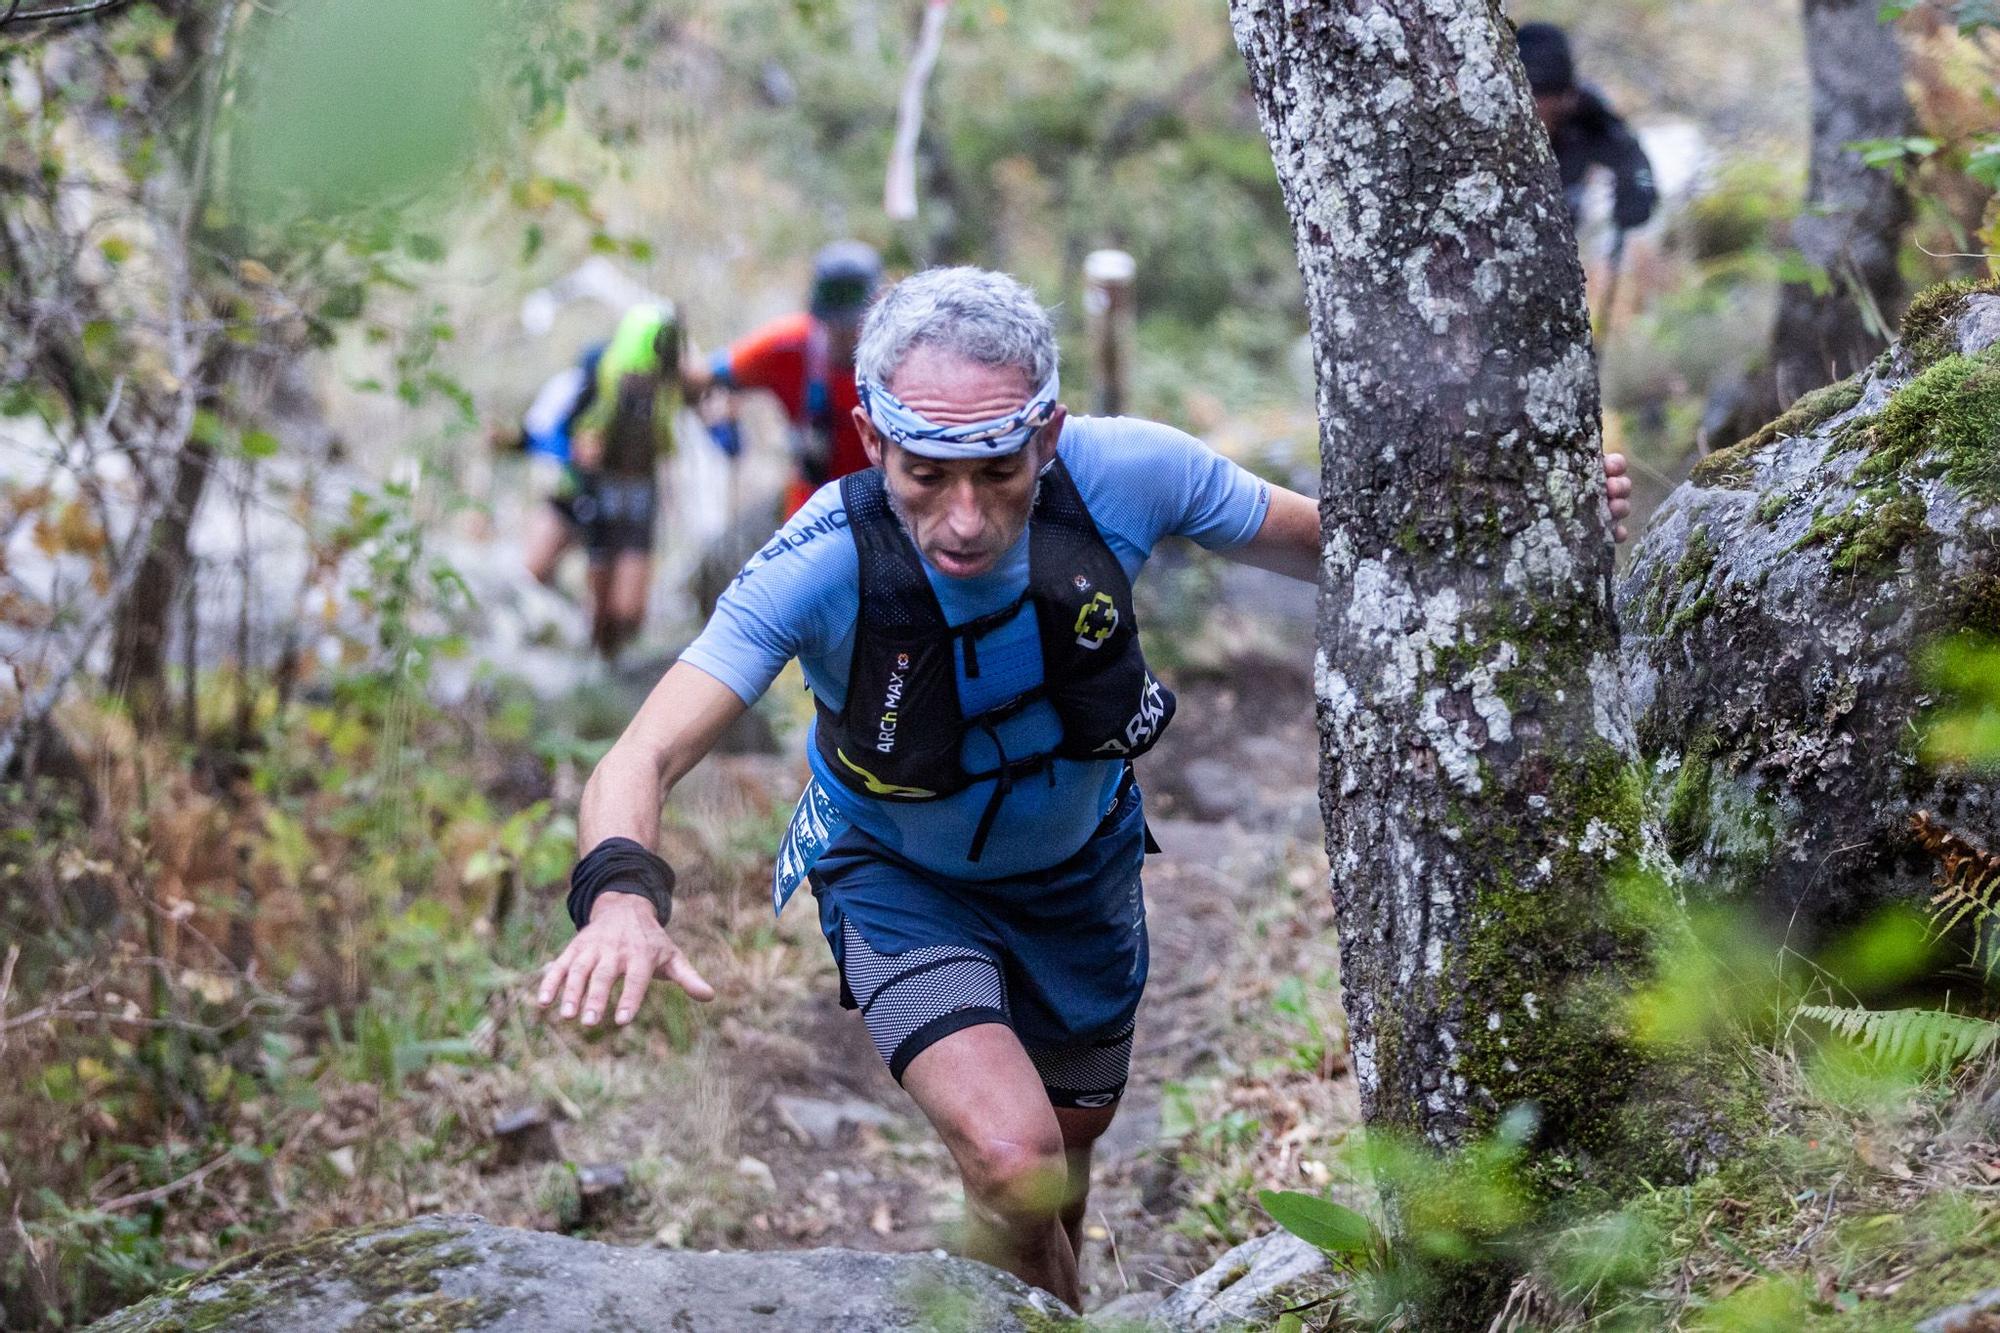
pixel 143 1197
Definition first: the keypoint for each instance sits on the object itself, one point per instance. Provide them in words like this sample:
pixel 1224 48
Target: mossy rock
pixel 1775 615
pixel 1930 330
pixel 1734 467
pixel 461 1273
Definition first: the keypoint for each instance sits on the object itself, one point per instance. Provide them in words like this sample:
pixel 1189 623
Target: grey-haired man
pixel 972 833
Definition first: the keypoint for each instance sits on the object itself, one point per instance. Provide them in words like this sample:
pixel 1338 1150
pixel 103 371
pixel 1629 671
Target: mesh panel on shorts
pixel 1091 1073
pixel 903 992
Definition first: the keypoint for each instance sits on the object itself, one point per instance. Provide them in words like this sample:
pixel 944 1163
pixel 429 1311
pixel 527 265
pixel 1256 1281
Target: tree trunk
pixel 1854 215
pixel 139 635
pixel 1478 778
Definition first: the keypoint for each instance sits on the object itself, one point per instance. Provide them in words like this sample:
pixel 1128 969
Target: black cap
pixel 1545 53
pixel 845 275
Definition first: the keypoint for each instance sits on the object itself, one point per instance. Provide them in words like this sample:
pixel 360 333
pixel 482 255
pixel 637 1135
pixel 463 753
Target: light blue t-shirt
pixel 800 597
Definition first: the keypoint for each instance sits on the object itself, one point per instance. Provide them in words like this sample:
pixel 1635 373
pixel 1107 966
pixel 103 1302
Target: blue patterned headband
pixel 981 439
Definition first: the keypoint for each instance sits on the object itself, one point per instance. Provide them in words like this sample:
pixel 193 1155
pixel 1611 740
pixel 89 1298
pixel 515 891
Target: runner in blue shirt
pixel 972 833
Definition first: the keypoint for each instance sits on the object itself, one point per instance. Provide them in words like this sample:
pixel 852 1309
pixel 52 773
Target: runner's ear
pixel 1048 437
pixel 871 443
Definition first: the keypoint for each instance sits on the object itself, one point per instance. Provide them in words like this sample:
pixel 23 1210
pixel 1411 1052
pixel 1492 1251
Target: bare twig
pixel 50 1013
pixel 184 359
pixel 49 1010
pixel 7 989
pixel 79 9
pixel 154 1195
pixel 1110 1235
pixel 1954 255
pixel 36 708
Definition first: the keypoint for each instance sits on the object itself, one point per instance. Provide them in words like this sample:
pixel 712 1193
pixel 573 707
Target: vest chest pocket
pixel 891 744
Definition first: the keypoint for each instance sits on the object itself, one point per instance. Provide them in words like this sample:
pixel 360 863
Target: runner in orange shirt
pixel 807 361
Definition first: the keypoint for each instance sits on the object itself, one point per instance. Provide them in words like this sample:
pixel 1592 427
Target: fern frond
pixel 1933 1038
pixel 1967 879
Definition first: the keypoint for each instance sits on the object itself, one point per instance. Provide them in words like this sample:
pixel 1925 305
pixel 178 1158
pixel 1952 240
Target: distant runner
pixel 604 425
pixel 1584 130
pixel 545 438
pixel 807 361
pixel 972 830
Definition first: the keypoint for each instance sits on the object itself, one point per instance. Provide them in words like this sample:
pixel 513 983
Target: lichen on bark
pixel 1480 787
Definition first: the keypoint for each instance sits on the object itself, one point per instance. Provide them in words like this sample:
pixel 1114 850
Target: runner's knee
pixel 1017 1171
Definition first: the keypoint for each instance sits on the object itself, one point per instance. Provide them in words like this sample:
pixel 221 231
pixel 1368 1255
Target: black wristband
pixel 620 865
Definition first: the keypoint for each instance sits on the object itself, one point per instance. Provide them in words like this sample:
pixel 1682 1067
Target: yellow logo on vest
pixel 877 787
pixel 1095 621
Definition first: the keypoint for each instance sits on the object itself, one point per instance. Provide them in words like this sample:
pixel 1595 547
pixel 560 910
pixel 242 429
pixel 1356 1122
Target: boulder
pixel 1244 1287
pixel 459 1272
pixel 817 1122
pixel 1778 611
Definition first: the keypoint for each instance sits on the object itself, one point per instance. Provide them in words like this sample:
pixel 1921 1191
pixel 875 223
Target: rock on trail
pixel 1777 615
pixel 459 1272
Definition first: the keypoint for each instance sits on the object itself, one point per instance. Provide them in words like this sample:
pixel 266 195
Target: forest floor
pixel 765 1120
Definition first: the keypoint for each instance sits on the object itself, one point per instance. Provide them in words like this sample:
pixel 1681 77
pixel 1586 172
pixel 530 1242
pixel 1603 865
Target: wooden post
pixel 1111 322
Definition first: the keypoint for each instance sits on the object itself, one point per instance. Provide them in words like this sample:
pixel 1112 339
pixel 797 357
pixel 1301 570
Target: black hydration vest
pixel 900 735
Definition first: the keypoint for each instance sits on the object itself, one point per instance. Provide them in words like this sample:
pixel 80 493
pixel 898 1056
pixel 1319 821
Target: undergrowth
pixel 1859 1194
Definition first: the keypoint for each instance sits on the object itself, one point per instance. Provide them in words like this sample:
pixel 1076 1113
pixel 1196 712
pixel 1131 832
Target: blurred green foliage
pixel 345 103
pixel 1965 729
pixel 1050 130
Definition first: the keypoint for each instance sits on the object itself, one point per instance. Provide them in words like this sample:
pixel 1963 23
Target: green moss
pixel 1687 616
pixel 1555 643
pixel 1945 422
pixel 1869 535
pixel 1927 334
pixel 1772 505
pixel 224 1311
pixel 1524 934
pixel 1686 815
pixel 1691 571
pixel 398 1274
pixel 1974 604
pixel 434 1311
pixel 1877 546
pixel 1729 469
pixel 1732 468
pixel 1934 1284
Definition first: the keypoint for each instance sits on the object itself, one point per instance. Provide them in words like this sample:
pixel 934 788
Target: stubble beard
pixel 910 529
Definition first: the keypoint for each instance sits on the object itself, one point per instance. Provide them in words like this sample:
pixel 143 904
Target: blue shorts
pixel 1059 955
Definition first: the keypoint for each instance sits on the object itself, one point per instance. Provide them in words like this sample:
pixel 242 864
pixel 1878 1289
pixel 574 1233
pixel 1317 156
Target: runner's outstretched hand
pixel 624 939
pixel 1618 487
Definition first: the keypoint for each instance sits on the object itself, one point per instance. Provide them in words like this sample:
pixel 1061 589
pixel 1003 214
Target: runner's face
pixel 842 335
pixel 1552 109
pixel 962 513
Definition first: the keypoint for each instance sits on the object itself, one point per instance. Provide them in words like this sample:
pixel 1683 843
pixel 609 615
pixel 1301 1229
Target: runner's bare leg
pixel 1081 1127
pixel 986 1101
pixel 548 537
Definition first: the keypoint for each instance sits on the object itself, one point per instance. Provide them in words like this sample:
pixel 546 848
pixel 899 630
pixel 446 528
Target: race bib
pixel 816 822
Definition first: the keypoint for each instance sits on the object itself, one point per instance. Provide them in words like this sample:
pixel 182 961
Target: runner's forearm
pixel 678 724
